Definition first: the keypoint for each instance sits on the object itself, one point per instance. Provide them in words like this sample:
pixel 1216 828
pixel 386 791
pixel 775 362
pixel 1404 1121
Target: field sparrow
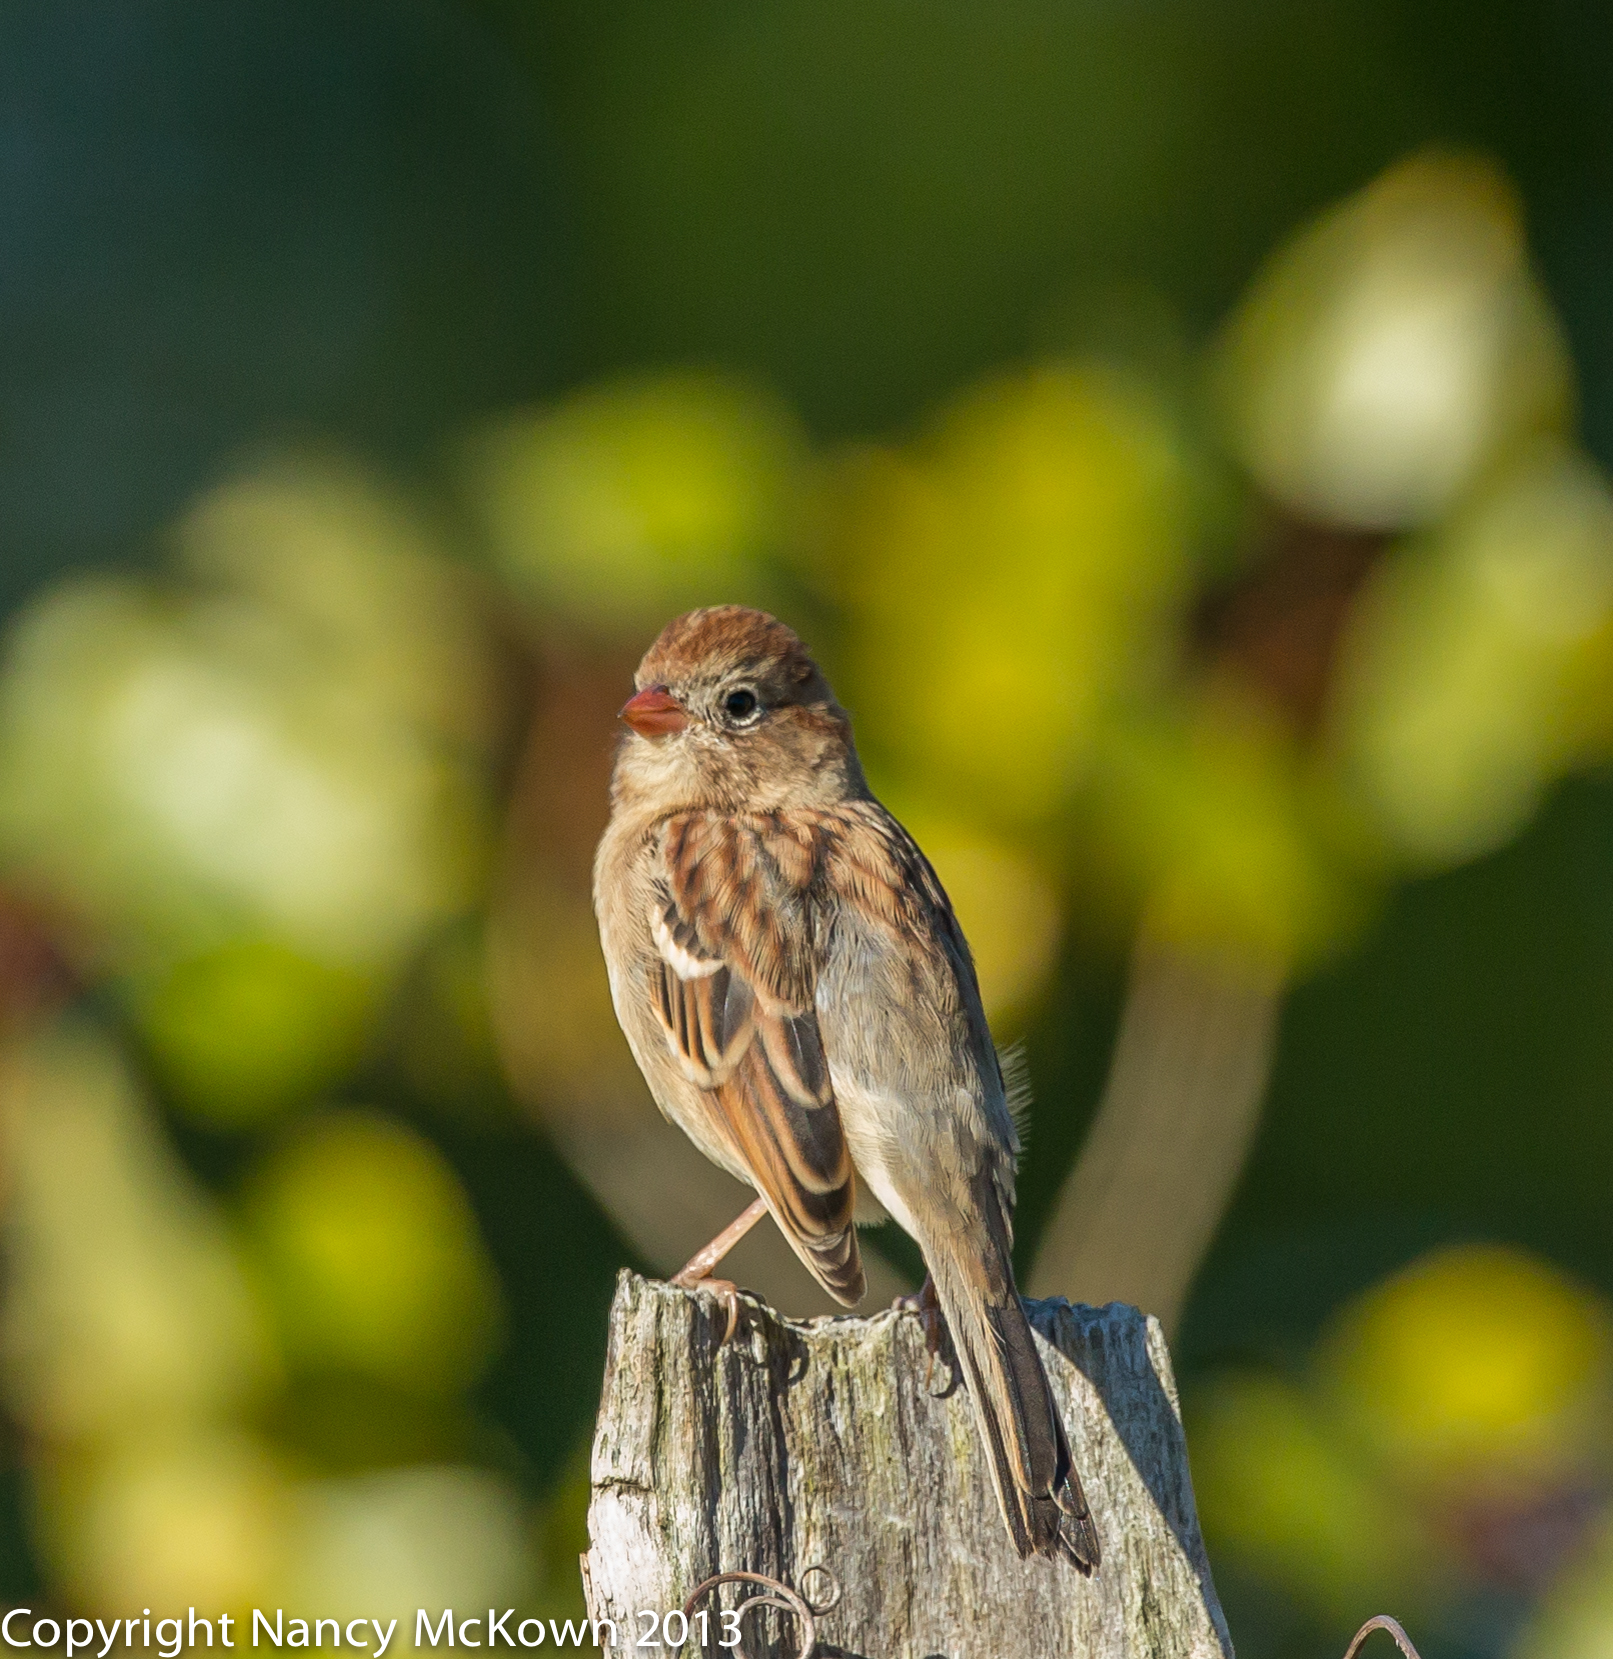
pixel 801 1001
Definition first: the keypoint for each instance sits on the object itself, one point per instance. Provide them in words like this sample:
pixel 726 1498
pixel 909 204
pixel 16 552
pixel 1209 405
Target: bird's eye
pixel 740 705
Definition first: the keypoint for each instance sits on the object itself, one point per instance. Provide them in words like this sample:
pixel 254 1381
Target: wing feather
pixel 733 991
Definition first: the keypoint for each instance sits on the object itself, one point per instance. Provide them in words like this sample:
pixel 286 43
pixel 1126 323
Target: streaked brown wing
pixel 733 990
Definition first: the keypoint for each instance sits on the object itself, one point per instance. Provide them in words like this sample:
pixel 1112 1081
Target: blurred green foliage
pixel 613 509
pixel 252 1026
pixel 371 1257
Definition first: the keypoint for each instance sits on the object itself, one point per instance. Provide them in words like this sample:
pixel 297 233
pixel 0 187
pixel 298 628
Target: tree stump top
pixel 817 1443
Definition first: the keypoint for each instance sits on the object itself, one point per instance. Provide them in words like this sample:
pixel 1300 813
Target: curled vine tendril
pixel 775 1593
pixel 1382 1621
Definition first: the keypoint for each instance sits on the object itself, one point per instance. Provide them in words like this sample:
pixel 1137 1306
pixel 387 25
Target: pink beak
pixel 654 712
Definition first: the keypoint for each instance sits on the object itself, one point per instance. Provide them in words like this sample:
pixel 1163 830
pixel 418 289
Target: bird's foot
pixel 725 1290
pixel 926 1303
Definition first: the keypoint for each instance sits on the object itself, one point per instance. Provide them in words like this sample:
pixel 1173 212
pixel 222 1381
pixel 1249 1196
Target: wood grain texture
pixel 803 1443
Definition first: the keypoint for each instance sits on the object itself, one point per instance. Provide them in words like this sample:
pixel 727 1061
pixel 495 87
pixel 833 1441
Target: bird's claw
pixel 727 1294
pixel 937 1343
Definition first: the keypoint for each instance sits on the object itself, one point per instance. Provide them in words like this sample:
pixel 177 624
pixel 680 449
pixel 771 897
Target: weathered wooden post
pixel 820 1445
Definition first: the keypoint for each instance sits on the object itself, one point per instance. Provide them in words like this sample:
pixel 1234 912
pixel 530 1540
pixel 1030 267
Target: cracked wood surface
pixel 816 1443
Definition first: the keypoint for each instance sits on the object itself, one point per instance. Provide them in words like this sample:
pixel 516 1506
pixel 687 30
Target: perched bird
pixel 801 1001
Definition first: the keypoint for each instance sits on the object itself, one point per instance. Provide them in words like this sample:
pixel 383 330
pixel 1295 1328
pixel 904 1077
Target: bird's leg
pixel 927 1305
pixel 695 1274
pixel 700 1264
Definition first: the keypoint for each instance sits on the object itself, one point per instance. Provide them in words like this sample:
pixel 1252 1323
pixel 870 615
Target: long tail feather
pixel 1038 1489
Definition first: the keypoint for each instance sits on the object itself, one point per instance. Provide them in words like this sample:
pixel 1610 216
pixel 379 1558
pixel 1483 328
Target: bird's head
pixel 732 714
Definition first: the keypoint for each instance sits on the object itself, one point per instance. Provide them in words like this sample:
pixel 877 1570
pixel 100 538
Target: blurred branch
pixel 1176 1120
pixel 1279 627
pixel 1189 1073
